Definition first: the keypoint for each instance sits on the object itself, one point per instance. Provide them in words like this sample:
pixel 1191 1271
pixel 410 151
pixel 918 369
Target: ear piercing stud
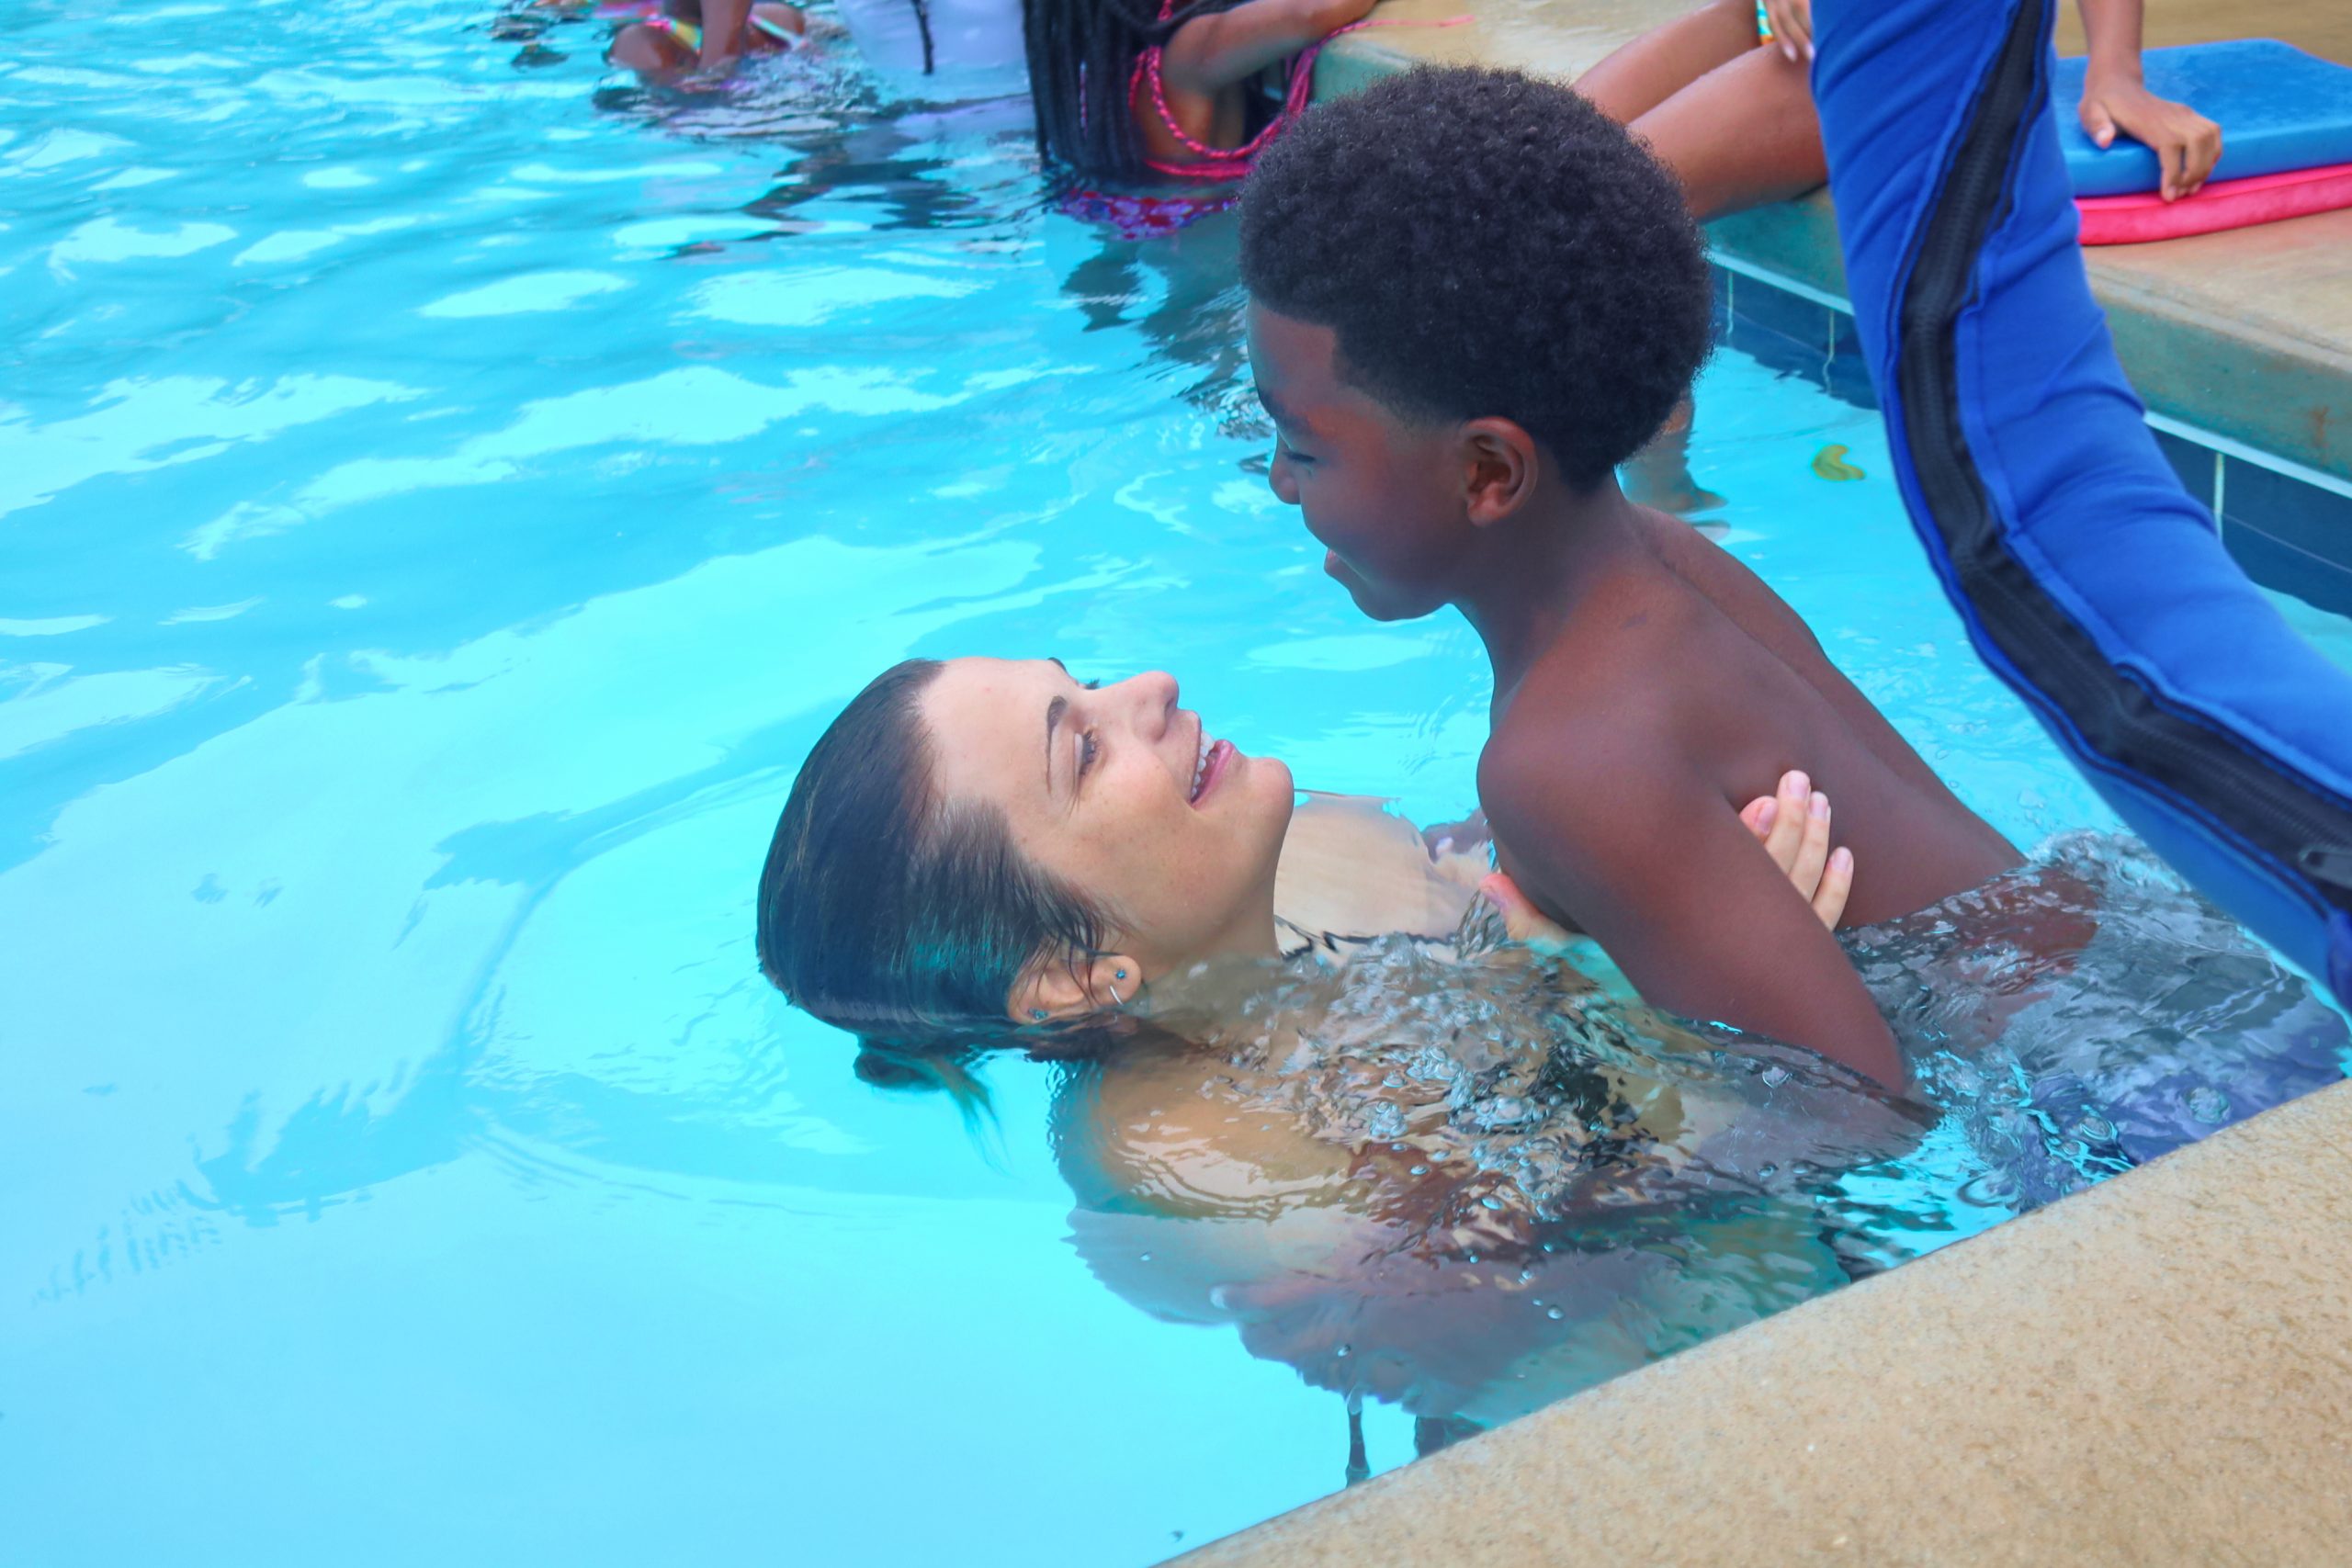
pixel 1037 1013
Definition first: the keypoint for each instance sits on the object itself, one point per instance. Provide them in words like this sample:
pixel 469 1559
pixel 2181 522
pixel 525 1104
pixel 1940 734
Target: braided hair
pixel 1082 57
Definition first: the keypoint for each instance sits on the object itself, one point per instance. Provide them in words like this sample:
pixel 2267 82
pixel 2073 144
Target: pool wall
pixel 2287 523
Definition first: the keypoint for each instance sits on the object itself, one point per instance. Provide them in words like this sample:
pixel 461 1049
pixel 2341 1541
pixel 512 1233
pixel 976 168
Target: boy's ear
pixel 1068 990
pixel 1499 470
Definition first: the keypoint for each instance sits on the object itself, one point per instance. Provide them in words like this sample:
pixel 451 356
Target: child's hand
pixel 2186 143
pixel 1791 27
pixel 1794 829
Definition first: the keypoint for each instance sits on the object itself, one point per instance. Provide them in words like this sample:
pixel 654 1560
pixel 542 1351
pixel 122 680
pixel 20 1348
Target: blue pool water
pixel 445 493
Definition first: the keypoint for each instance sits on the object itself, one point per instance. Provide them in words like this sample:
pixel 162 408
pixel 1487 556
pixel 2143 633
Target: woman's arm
pixel 1211 52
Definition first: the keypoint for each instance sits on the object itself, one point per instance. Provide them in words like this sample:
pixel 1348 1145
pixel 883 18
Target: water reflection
pixel 1181 293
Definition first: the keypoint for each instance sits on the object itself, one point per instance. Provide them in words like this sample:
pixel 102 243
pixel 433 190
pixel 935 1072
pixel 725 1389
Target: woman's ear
pixel 1056 991
pixel 1499 470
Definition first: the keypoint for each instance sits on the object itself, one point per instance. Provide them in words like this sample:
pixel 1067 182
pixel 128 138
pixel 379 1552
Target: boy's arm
pixel 1676 889
pixel 1210 53
pixel 1796 839
pixel 2186 143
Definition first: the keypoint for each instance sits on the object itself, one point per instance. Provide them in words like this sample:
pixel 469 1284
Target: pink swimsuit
pixel 1231 162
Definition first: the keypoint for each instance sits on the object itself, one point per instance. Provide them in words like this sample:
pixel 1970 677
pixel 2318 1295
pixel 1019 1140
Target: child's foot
pixel 1659 474
pixel 1677 492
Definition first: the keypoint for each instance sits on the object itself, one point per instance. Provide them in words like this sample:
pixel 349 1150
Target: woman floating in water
pixel 1299 1095
pixel 989 852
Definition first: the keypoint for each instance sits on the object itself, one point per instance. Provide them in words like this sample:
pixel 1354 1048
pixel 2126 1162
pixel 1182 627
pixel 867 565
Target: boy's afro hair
pixel 1486 244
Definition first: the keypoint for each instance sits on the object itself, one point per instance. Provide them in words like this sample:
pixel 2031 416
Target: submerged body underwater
pixel 1472 1187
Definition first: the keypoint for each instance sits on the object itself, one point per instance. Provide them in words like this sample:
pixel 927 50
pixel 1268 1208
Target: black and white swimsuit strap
pixel 1311 941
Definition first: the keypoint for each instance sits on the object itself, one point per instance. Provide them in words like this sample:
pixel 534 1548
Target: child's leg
pixel 1663 61
pixel 1742 135
pixel 646 51
pixel 788 17
pixel 1659 474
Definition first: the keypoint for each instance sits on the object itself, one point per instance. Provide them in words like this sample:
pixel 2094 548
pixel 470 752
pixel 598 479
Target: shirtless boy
pixel 1471 296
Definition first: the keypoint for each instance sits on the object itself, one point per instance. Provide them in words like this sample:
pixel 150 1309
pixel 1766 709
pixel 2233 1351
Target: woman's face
pixel 1170 833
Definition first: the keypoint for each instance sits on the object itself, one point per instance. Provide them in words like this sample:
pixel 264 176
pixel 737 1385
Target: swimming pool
pixel 445 494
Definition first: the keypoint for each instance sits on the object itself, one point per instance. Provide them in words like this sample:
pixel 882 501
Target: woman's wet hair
pixel 889 912
pixel 1082 57
pixel 947 1070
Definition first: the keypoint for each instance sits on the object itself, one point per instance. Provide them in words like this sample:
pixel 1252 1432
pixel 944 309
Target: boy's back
pixel 1699 665
pixel 1677 688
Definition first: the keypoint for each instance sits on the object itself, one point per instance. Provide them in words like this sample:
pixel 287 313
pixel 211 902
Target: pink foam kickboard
pixel 2224 204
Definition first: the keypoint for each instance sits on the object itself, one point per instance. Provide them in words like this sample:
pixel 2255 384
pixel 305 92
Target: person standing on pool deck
pixel 1472 296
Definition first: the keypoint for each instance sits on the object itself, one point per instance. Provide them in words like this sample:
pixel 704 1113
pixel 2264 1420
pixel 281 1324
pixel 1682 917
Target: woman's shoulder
pixel 1351 866
pixel 1146 1130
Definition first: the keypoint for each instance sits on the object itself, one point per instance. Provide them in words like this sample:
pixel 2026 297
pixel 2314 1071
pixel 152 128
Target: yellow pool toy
pixel 1829 463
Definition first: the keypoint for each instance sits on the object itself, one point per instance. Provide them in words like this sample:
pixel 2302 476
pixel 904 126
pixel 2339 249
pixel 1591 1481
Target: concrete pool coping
pixel 2156 1370
pixel 2199 323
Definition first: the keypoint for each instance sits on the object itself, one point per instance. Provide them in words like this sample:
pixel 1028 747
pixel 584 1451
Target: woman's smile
pixel 1215 757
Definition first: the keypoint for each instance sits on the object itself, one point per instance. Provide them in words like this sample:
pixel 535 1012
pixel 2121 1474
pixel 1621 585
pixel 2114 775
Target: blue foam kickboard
pixel 2279 108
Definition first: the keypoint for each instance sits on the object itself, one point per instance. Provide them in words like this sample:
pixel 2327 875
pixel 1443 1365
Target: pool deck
pixel 2158 1370
pixel 2200 324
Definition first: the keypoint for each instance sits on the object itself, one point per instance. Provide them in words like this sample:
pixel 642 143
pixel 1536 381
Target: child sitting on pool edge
pixel 1472 296
pixel 1721 95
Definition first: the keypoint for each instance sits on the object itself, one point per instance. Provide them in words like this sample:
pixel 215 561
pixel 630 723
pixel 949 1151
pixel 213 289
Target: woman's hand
pixel 1793 827
pixel 2186 143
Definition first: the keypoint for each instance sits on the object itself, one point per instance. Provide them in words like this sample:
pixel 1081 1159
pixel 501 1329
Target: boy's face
pixel 1383 496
